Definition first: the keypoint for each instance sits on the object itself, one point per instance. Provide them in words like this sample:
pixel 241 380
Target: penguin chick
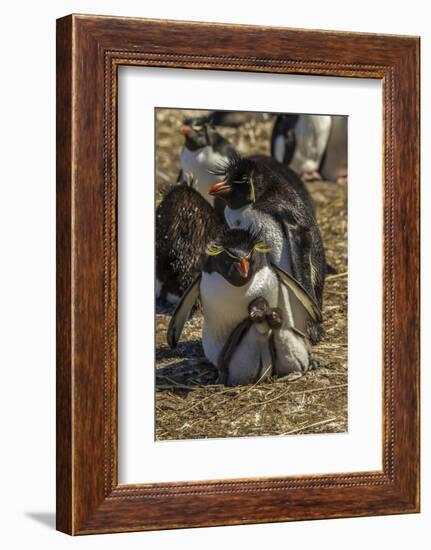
pixel 268 197
pixel 204 150
pixel 300 142
pixel 235 271
pixel 185 224
pixel 247 356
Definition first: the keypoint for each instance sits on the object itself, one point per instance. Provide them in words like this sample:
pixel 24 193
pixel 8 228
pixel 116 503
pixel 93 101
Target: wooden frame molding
pixel 89 51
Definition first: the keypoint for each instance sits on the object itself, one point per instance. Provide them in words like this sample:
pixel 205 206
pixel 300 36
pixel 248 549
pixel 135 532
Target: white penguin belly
pixel 224 306
pixel 200 163
pixel 279 148
pixel 259 222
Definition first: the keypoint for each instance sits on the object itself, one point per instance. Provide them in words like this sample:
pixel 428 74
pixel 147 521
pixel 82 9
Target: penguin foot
pixel 290 377
pixel 274 317
pixel 342 180
pixel 314 363
pixel 258 310
pixel 311 176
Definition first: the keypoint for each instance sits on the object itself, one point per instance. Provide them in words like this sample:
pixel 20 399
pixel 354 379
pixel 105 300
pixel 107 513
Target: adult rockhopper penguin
pixel 268 197
pixel 237 271
pixel 185 224
pixel 204 151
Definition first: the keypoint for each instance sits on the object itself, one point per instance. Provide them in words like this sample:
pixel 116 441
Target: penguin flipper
pixel 182 312
pixel 303 297
pixel 230 347
pixel 307 256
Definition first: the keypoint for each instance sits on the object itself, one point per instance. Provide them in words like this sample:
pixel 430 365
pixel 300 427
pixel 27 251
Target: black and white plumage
pixel 235 272
pixel 267 197
pixel 185 224
pixel 203 152
pixel 300 142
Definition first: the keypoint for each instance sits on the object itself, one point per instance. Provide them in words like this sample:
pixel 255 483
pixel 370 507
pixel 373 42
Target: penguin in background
pixel 235 119
pixel 334 162
pixel 203 151
pixel 268 198
pixel 300 142
pixel 185 224
pixel 236 270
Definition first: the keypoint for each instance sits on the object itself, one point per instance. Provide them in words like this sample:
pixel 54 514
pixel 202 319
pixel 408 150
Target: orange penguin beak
pixel 186 130
pixel 219 189
pixel 243 267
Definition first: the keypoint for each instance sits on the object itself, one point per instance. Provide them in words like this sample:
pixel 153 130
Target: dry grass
pixel 188 403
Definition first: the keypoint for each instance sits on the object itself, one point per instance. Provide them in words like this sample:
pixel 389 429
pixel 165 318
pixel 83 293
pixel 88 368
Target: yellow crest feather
pixel 213 250
pixel 252 191
pixel 262 247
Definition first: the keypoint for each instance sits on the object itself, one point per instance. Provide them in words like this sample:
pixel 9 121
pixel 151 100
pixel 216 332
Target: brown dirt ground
pixel 189 405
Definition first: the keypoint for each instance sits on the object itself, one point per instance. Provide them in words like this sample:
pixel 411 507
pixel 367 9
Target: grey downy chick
pixel 248 354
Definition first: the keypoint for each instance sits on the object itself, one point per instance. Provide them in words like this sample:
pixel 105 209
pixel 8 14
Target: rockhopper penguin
pixel 185 224
pixel 270 199
pixel 204 150
pixel 236 270
pixel 300 141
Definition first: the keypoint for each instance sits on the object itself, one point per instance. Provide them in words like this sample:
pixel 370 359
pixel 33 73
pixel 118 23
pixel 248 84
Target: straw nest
pixel 189 405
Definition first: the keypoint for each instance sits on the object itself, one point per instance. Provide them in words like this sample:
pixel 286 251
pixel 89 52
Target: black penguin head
pixel 198 132
pixel 238 186
pixel 237 256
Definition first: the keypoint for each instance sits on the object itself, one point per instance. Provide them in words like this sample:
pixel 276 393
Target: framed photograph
pixel 237 274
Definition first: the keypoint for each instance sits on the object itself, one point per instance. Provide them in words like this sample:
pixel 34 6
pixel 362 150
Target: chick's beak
pixel 243 267
pixel 219 189
pixel 186 130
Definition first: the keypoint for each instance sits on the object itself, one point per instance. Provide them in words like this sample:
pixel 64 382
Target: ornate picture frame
pixel 89 51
